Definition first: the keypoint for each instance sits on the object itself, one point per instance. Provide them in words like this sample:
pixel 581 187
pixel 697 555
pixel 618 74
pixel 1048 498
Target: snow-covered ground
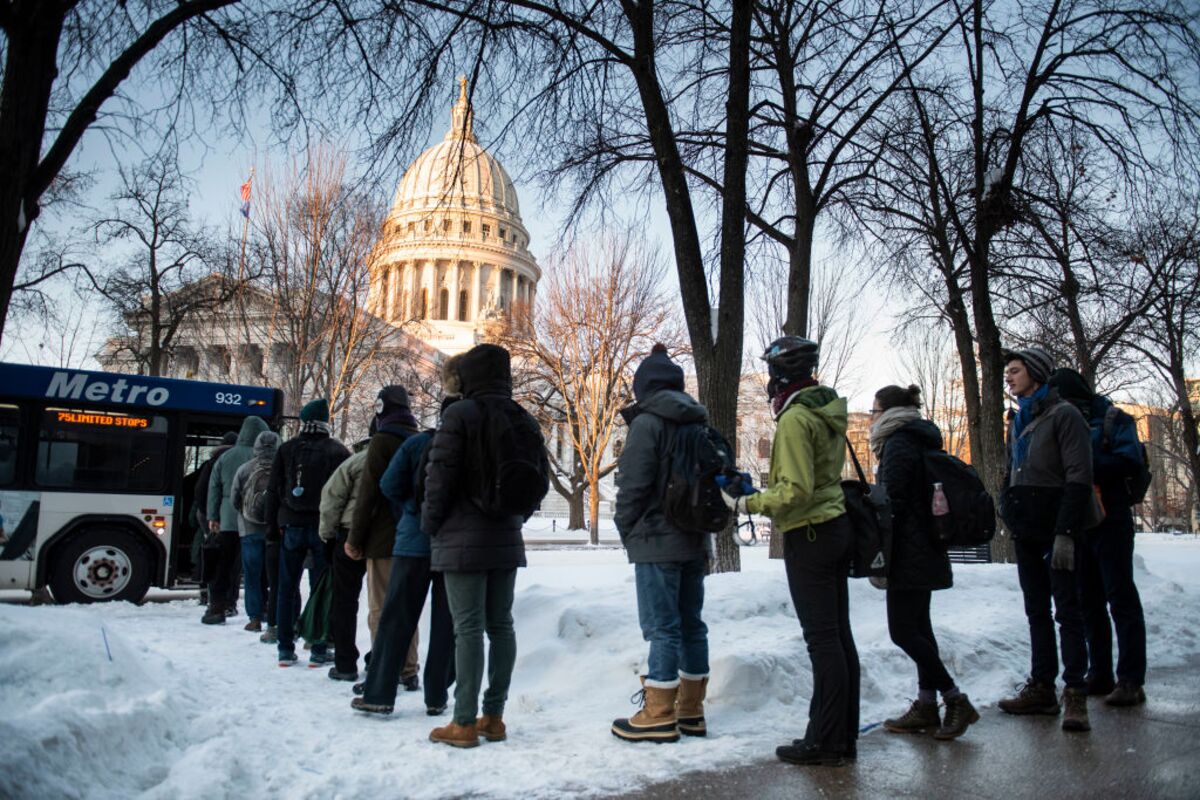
pixel 121 700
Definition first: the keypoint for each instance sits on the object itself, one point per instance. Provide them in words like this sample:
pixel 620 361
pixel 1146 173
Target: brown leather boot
pixel 1031 698
pixel 1126 694
pixel 960 715
pixel 491 728
pixel 456 735
pixel 920 718
pixel 689 706
pixel 1075 713
pixel 655 722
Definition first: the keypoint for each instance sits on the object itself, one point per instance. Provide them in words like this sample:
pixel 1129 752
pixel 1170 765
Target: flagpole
pixel 245 233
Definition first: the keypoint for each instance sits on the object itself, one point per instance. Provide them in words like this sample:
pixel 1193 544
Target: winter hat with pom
pixel 655 373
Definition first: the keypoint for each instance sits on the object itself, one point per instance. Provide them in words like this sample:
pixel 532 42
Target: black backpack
pixel 311 468
pixel 510 460
pixel 697 454
pixel 870 514
pixel 972 518
pixel 1138 484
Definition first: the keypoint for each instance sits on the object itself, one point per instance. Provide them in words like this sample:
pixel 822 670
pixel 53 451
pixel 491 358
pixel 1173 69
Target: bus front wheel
pixel 100 564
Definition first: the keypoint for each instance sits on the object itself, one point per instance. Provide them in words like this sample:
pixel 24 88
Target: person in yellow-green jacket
pixel 804 500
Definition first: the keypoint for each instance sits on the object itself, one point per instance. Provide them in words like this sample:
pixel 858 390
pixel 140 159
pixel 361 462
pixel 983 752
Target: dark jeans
pixel 347 581
pixel 411 580
pixel 224 590
pixel 670 598
pixel 1106 582
pixel 298 542
pixel 817 559
pixel 482 601
pixel 1039 584
pixel 253 553
pixel 273 552
pixel 912 631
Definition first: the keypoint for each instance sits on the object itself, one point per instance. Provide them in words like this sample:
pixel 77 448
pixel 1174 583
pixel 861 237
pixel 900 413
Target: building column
pixel 455 270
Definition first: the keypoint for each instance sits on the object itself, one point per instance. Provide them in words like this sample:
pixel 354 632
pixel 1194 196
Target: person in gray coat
pixel 669 563
pixel 248 496
pixel 223 521
pixel 1047 504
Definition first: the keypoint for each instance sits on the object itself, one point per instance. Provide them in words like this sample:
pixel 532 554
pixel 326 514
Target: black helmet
pixel 792 357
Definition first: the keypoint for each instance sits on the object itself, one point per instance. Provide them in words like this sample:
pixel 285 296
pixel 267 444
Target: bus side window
pixel 102 451
pixel 10 426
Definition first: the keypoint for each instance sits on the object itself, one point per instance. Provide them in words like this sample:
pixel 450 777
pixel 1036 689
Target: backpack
pixel 698 453
pixel 972 518
pixel 1139 484
pixel 870 514
pixel 311 469
pixel 254 494
pixel 510 460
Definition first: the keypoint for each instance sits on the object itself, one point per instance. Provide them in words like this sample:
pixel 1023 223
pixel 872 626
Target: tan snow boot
pixel 491 728
pixel 655 722
pixel 689 709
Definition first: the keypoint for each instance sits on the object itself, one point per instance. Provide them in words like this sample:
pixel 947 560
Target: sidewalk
pixel 1152 751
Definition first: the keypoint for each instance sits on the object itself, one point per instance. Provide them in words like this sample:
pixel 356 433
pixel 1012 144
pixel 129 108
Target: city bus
pixel 97 472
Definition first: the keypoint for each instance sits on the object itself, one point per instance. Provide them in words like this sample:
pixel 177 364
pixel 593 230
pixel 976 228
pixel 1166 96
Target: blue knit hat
pixel 315 411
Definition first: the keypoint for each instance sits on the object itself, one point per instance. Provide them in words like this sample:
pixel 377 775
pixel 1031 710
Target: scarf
pixel 783 397
pixel 1027 407
pixel 888 423
pixel 316 426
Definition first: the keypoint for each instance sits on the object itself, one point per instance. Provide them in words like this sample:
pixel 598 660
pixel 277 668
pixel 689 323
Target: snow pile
pixel 242 726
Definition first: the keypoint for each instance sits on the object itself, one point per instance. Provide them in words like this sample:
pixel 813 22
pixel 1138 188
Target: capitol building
pixel 454 253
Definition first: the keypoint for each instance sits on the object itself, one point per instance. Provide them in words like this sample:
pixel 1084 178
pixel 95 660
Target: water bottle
pixel 942 526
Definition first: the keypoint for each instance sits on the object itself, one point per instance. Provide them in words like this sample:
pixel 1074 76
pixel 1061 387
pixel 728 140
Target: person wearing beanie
pixel 1048 504
pixel 1105 563
pixel 365 548
pixel 669 563
pixel 302 466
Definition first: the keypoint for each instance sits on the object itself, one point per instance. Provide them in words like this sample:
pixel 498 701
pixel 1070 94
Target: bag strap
pixel 1110 422
pixel 862 476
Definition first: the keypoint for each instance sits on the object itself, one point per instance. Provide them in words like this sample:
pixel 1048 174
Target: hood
pixel 674 406
pixel 265 445
pixel 656 373
pixel 485 369
pixel 390 399
pixel 925 432
pixel 825 403
pixel 251 428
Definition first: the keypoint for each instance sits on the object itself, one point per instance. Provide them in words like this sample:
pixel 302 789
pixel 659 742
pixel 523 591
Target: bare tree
pixel 929 362
pixel 601 309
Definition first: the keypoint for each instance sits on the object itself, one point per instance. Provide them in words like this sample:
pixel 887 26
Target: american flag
pixel 246 196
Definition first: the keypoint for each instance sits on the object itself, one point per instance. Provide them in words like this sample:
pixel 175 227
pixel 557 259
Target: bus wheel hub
pixel 102 571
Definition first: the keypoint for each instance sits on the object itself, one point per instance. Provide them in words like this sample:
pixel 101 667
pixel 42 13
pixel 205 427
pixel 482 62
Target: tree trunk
pixel 800 273
pixel 575 520
pixel 594 512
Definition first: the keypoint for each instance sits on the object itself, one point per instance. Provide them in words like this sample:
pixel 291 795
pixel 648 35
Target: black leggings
pixel 912 632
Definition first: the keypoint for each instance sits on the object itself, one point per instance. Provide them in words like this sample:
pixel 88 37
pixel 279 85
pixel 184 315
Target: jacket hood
pixel 924 431
pixel 485 369
pixel 825 403
pixel 265 446
pixel 656 373
pixel 251 428
pixel 674 406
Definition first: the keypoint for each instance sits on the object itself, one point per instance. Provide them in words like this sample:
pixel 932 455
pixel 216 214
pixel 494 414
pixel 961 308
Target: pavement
pixel 1150 751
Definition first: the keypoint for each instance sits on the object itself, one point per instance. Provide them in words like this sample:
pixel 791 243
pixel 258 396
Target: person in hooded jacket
pixel 223 521
pixel 412 579
pixel 1106 555
pixel 669 563
pixel 919 565
pixel 249 478
pixel 805 502
pixel 478 554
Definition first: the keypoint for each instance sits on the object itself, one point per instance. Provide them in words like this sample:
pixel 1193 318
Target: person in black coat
pixel 919 565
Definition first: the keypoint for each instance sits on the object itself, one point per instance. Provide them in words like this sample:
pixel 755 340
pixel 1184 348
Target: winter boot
pixel 1075 715
pixel 254 626
pixel 456 735
pixel 337 675
pixel 1126 694
pixel 920 718
pixel 359 704
pixel 806 754
pixel 215 615
pixel 411 684
pixel 287 659
pixel 231 611
pixel 1031 698
pixel 960 715
pixel 1098 687
pixel 655 722
pixel 491 728
pixel 270 636
pixel 435 711
pixel 689 707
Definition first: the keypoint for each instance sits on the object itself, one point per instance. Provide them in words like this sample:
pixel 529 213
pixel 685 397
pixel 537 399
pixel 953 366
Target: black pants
pixel 817 559
pixel 347 577
pixel 912 631
pixel 1040 584
pixel 227 573
pixel 1106 582
pixel 271 568
pixel 411 581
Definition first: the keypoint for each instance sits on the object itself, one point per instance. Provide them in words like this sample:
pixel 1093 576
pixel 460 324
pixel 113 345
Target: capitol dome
pixel 454 251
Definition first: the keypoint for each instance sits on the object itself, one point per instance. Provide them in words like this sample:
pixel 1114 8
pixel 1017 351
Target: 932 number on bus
pixel 228 399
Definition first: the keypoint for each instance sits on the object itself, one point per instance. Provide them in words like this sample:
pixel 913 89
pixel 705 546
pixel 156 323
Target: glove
pixel 737 484
pixel 878 583
pixel 730 500
pixel 1063 555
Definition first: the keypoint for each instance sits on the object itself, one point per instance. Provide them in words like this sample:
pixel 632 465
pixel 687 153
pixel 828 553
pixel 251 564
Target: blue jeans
pixel 298 542
pixel 254 549
pixel 670 600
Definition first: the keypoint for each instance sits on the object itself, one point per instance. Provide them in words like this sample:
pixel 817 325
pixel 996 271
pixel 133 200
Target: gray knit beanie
pixel 1037 361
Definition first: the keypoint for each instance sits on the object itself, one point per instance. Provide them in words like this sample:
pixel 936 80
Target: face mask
pixel 776 385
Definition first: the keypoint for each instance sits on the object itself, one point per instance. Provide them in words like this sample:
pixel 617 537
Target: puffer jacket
pixel 918 562
pixel 264 454
pixel 373 526
pixel 804 484
pixel 399 486
pixel 220 482
pixel 1116 461
pixel 338 496
pixel 642 472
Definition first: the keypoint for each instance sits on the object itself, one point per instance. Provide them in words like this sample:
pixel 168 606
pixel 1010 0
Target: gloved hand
pixel 738 484
pixel 1063 555
pixel 730 500
pixel 878 583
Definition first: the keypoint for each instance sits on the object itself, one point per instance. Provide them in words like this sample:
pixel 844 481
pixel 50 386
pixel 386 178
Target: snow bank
pixel 185 710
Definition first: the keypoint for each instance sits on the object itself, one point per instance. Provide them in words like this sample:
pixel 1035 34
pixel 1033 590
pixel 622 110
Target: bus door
pixel 19 507
pixel 202 435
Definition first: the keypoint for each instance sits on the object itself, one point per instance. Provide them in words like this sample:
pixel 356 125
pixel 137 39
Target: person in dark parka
pixel 919 565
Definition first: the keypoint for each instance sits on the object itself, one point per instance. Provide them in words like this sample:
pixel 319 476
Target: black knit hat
pixel 1071 386
pixel 655 373
pixel 1037 361
pixel 391 398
